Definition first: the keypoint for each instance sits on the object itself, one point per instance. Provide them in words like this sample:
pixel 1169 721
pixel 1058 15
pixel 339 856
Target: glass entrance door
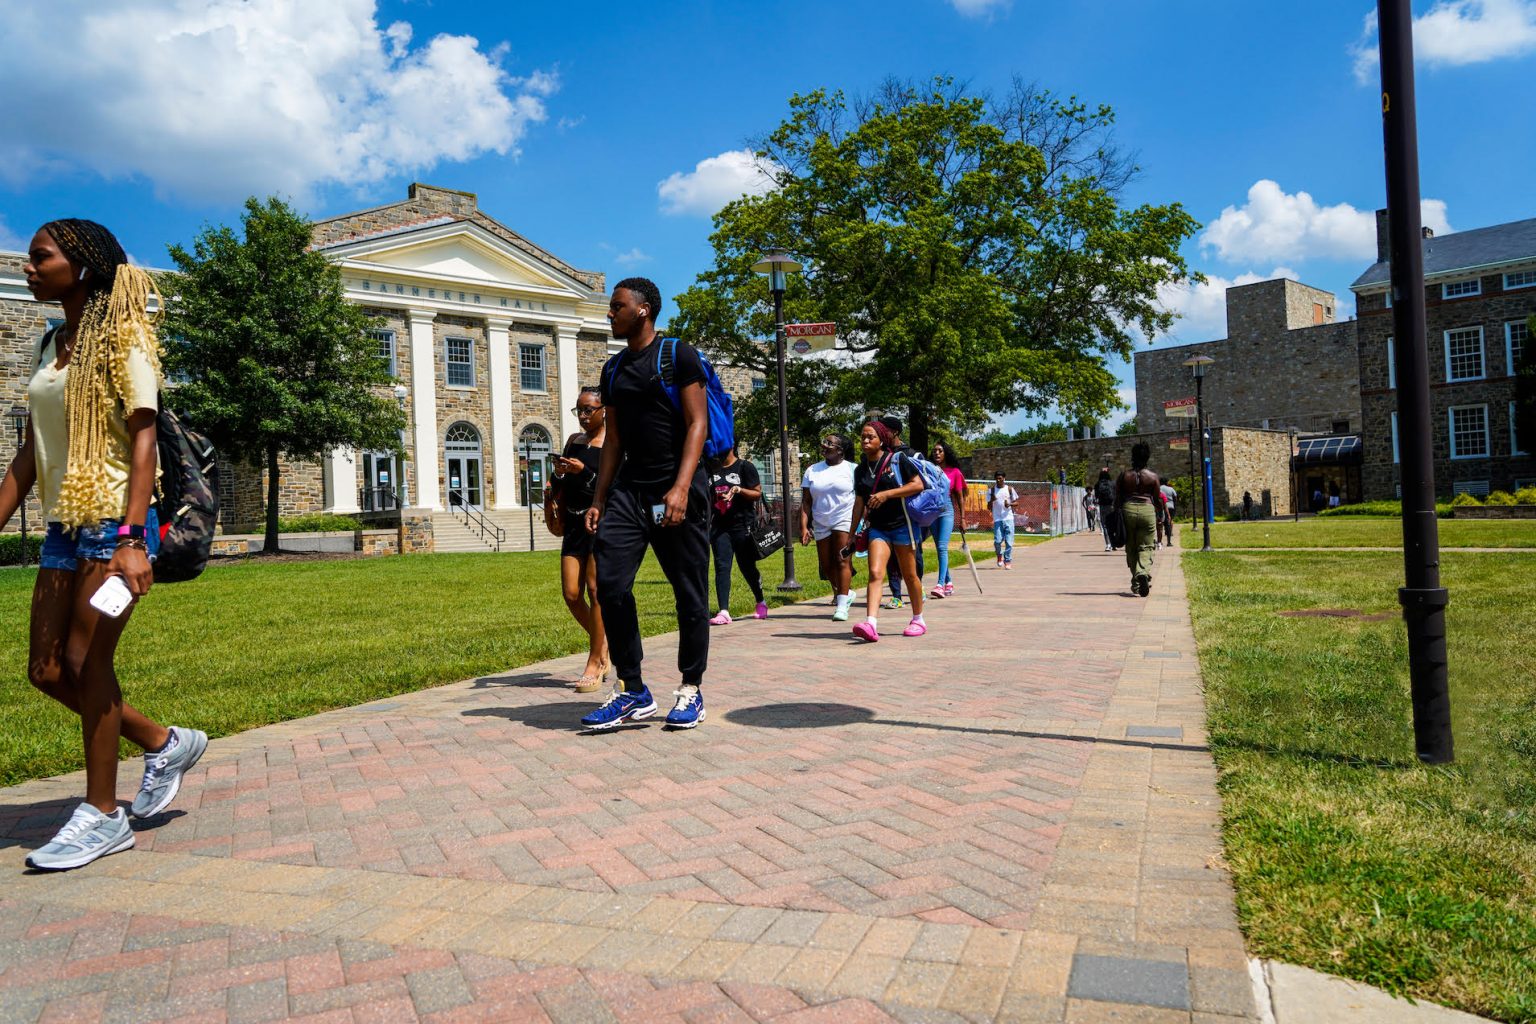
pixel 464 480
pixel 381 485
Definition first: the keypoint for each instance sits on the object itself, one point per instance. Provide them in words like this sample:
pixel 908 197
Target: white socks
pixel 873 623
pixel 844 600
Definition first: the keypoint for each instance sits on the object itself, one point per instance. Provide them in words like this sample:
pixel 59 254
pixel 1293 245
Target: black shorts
pixel 577 540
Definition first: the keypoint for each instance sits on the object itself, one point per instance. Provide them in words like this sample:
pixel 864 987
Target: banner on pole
pixel 803 339
pixel 1180 408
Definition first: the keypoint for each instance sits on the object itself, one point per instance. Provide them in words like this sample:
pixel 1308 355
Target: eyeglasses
pixel 582 410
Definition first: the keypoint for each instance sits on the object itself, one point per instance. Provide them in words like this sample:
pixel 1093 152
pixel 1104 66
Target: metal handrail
pixel 474 518
pixel 378 499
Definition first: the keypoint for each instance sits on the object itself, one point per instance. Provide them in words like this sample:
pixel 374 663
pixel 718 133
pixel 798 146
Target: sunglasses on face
pixel 586 410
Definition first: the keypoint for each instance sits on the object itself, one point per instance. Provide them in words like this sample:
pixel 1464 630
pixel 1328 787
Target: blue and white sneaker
pixel 689 709
pixel 164 769
pixel 622 707
pixel 87 835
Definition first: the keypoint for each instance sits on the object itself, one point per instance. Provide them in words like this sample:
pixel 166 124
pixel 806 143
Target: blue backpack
pixel 927 505
pixel 720 411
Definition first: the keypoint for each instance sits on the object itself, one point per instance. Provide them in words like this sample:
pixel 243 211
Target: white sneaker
pixel 87 835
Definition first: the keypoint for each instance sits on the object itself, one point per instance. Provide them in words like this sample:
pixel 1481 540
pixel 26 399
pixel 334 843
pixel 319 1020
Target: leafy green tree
pixel 1127 428
pixel 273 360
pixel 1040 433
pixel 972 250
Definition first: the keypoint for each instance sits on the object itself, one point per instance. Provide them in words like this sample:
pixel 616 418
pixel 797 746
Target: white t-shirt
pixel 1169 495
pixel 1002 498
pixel 831 489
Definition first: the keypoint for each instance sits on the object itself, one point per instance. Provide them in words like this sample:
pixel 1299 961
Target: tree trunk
pixel 917 428
pixel 269 546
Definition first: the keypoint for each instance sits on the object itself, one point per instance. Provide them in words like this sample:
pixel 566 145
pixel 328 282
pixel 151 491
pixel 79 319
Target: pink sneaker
pixel 864 631
pixel 949 590
pixel 938 591
pixel 762 611
pixel 723 619
pixel 914 628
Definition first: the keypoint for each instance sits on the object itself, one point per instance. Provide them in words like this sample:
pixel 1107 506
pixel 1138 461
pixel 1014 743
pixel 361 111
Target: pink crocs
pixel 864 631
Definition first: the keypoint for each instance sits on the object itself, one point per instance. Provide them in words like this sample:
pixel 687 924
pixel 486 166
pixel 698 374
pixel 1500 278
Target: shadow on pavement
pixel 564 717
pixel 800 716
pixel 525 679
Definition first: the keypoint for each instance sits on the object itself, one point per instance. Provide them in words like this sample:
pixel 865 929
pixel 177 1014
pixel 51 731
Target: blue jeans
pixel 1002 538
pixel 63 549
pixel 939 530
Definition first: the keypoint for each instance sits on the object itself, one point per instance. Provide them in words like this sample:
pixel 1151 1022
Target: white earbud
pixel 83 272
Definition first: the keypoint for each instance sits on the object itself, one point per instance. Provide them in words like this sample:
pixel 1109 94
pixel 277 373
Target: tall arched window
pixel 461 447
pixel 533 455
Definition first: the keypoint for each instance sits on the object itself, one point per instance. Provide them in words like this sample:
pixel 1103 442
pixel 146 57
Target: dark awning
pixel 1338 450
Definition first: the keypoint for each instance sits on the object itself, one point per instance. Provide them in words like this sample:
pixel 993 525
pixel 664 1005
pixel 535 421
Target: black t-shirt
pixel 651 428
pixel 575 489
pixel 738 514
pixel 890 515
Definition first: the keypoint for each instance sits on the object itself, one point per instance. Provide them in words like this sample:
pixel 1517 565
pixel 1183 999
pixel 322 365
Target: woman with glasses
pixel 826 513
pixel 566 516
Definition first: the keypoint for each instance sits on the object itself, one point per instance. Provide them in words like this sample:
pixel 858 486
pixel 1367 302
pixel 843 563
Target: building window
pixel 1464 354
pixel 1476 488
pixel 1516 334
pixel 759 383
pixel 461 362
pixel 1520 279
pixel 530 367
pixel 386 340
pixel 1391 365
pixel 1469 431
pixel 1395 458
pixel 1515 447
pixel 1461 289
pixel 1340 427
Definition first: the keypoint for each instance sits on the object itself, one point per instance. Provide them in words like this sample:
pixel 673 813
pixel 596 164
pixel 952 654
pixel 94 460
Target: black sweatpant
pixel 737 543
pixel 623 534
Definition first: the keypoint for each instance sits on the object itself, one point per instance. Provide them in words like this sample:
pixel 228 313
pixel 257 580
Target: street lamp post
pixel 777 265
pixel 1422 597
pixel 19 417
pixel 1197 367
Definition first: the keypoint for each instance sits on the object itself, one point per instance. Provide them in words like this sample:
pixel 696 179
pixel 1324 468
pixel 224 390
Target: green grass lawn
pixel 1348 855
pixel 1359 531
pixel 253 643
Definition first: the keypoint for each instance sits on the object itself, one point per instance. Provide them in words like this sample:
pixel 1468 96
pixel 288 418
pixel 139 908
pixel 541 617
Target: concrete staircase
pixel 450 533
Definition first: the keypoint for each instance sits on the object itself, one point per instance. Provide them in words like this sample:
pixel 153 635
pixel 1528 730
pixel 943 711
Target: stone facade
pixel 1242 459
pixel 22 323
pixel 1486 396
pixel 1284 363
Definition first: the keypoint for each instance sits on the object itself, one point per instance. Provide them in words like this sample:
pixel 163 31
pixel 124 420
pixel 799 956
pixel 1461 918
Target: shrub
pixel 10 548
pixel 1382 508
pixel 1526 496
pixel 1499 498
pixel 1465 499
pixel 311 522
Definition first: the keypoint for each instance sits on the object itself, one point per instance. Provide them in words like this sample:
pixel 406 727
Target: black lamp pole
pixel 1422 597
pixel 777 265
pixel 1197 367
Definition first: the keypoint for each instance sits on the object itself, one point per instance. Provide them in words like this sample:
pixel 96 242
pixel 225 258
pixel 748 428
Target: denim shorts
pixel 63 549
pixel 899 537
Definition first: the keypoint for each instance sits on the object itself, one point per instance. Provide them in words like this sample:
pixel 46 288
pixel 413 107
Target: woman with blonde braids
pixel 94 395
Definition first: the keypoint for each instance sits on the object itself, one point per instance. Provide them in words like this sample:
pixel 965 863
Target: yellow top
pixel 50 423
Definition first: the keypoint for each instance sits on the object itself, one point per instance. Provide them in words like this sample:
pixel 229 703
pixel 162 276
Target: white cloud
pixel 632 257
pixel 1276 225
pixel 217 99
pixel 1202 308
pixel 713 182
pixel 980 8
pixel 10 239
pixel 1457 32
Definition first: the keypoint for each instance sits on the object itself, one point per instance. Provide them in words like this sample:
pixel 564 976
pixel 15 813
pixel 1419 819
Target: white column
pixel 424 464
pixel 498 348
pixel 570 381
pixel 341 481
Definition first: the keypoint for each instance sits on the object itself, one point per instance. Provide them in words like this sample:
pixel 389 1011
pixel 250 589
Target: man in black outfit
pixel 651 490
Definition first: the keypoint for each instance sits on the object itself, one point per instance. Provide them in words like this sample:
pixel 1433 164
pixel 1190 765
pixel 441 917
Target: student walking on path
pixel 1000 499
pixel 737 488
pixel 94 399
pixel 896 601
pixel 942 527
pixel 566 516
pixel 1170 500
pixel 651 492
pixel 1104 494
pixel 1139 500
pixel 879 498
pixel 826 516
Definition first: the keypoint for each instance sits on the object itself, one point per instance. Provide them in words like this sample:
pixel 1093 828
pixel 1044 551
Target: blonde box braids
pixel 116 320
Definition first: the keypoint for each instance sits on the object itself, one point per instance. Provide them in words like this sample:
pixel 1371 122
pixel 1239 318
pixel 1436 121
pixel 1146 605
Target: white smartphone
pixel 112 597
pixel 658 513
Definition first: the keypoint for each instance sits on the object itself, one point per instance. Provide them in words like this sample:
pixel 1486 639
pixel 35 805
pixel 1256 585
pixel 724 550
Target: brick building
pixel 1479 292
pixel 490 336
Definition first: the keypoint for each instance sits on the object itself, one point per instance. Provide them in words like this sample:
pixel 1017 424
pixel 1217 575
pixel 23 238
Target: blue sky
pixel 607 132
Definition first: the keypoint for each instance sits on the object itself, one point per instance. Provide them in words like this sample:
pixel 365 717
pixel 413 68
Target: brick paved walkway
pixel 1012 818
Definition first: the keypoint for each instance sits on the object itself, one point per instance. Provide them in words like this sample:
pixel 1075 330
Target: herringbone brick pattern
pixel 921 829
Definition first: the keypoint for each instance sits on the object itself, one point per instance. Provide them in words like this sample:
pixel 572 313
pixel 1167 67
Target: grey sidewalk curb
pixel 1287 994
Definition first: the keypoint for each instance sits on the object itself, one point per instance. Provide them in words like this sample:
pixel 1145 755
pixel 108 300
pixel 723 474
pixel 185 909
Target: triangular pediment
pixel 458 252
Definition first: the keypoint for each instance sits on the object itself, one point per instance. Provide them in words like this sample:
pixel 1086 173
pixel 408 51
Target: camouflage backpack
pixel 188 502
